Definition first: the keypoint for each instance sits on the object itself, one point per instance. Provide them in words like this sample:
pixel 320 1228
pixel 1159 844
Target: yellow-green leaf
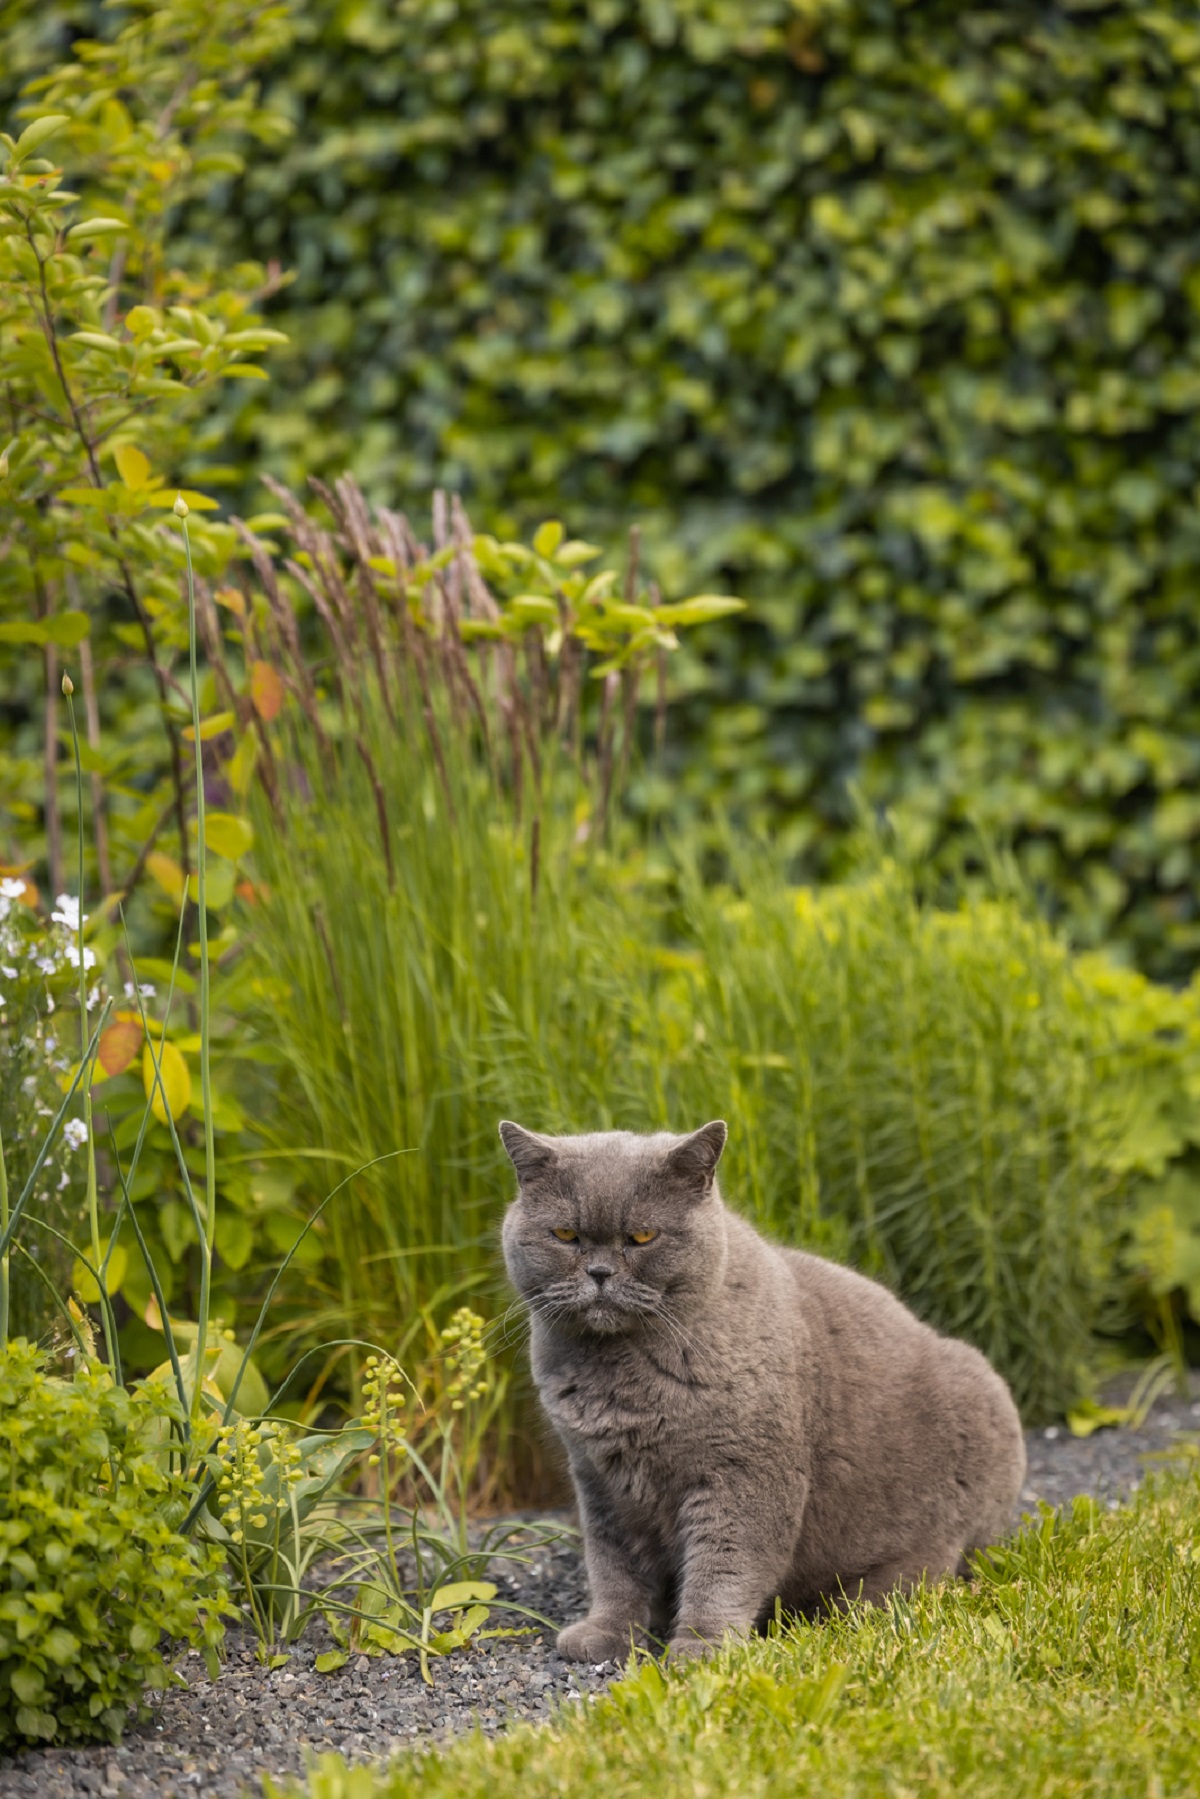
pixel 215 726
pixel 196 502
pixel 547 537
pixel 85 1284
pixel 167 872
pixel 228 835
pixel 133 467
pixel 176 1082
pixel 461 1592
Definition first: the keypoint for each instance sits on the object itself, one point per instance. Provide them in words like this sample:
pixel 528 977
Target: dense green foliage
pixel 1071 1666
pixel 93 1571
pixel 886 315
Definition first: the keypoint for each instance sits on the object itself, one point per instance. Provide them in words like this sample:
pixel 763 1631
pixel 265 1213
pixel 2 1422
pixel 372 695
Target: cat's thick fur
pixel 742 1421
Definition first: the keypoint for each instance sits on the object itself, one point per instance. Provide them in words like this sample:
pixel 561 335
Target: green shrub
pixel 885 315
pixel 93 1571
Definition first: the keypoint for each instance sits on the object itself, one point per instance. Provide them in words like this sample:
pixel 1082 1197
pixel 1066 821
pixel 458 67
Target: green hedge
pixel 885 314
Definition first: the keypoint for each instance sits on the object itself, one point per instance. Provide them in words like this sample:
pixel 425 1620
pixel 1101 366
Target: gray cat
pixel 743 1422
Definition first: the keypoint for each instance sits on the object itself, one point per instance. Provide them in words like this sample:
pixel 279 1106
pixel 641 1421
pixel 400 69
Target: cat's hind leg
pixel 902 1574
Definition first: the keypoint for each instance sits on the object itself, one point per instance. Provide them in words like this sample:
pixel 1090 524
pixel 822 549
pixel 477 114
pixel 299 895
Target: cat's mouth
pixel 606 1312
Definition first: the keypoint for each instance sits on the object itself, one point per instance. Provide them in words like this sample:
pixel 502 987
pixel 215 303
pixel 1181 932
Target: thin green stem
pixel 93 1207
pixel 4 1257
pixel 210 1155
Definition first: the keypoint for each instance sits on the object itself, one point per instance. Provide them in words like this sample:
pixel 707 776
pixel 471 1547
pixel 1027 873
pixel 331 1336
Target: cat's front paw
pixel 597 1640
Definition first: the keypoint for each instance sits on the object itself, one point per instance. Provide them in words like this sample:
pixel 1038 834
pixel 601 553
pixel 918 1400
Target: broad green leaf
pixel 88 228
pixel 67 629
pixel 547 537
pixel 39 131
pixel 701 609
pixel 330 1661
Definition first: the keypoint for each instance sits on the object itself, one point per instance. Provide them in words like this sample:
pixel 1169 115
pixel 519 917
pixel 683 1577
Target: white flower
pixel 71 952
pixel 66 911
pixel 51 1045
pixel 93 996
pixel 11 889
pixel 146 989
pixel 48 965
pixel 10 973
pixel 75 1133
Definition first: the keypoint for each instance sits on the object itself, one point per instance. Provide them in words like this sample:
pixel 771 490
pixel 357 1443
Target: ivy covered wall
pixel 883 314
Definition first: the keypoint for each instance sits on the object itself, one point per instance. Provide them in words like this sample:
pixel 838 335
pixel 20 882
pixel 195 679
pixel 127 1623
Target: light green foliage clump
pixel 915 1089
pixel 1070 1666
pixel 115 338
pixel 884 315
pixel 93 1571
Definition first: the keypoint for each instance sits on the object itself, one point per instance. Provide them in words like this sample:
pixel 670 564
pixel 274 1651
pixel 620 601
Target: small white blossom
pixel 66 911
pixel 71 952
pixel 93 996
pixel 147 990
pixel 74 1133
pixel 47 965
pixel 9 972
pixel 11 889
pixel 51 1045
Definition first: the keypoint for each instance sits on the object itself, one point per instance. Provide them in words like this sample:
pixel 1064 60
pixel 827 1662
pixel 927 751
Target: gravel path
pixel 216 1739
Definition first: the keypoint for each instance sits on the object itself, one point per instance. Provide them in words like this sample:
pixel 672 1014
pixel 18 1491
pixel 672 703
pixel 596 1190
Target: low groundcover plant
pixel 89 1505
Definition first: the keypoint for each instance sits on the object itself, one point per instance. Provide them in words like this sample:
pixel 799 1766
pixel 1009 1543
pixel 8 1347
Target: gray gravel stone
pixel 216 1739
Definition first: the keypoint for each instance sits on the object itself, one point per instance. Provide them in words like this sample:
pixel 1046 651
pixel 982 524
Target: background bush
pixel 886 315
pixel 92 1572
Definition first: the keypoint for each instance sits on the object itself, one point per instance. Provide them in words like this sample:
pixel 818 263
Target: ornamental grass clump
pixel 93 1571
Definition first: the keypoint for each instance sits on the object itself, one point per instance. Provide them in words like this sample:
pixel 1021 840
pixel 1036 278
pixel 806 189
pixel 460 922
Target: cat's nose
pixel 599 1271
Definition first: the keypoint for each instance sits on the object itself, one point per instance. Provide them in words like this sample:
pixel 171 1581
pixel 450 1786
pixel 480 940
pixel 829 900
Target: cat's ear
pixel 529 1154
pixel 694 1161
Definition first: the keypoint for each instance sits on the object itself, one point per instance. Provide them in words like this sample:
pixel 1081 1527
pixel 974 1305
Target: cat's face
pixel 612 1230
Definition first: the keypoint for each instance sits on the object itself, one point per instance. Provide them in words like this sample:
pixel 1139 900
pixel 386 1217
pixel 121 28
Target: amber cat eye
pixel 642 1236
pixel 564 1235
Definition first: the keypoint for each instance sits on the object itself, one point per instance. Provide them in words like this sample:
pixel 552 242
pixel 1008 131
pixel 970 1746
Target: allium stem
pixel 4 1257
pixel 210 1158
pixel 92 1200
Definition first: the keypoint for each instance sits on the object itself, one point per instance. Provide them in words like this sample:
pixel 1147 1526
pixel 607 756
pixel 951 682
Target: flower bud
pixel 180 508
pixel 68 686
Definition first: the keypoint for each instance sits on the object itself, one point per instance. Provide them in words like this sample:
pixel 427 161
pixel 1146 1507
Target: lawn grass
pixel 1070 1666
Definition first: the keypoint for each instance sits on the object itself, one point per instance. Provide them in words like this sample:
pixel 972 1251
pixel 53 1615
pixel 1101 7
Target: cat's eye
pixel 564 1235
pixel 642 1236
